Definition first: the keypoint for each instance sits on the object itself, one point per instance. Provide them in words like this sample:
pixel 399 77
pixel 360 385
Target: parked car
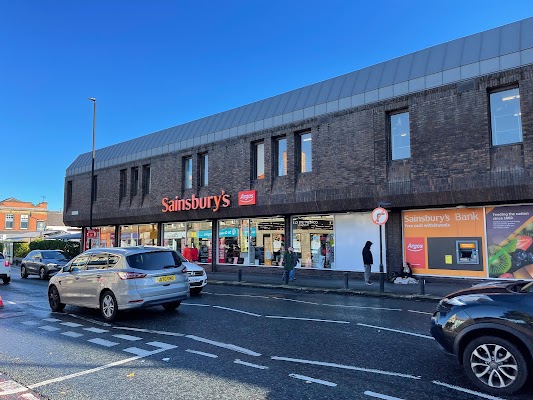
pixel 489 329
pixel 5 269
pixel 197 277
pixel 45 263
pixel 121 278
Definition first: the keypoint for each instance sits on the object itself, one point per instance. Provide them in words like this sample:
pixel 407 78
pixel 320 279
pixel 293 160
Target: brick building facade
pixel 22 218
pixel 449 95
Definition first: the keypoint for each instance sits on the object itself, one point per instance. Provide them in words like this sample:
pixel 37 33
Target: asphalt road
pixel 228 343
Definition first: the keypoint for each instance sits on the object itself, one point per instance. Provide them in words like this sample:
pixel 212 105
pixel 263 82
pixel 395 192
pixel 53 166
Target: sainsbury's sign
pixel 247 197
pixel 194 203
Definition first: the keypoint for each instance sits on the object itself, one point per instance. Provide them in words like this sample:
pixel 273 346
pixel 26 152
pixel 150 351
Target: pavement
pixel 428 289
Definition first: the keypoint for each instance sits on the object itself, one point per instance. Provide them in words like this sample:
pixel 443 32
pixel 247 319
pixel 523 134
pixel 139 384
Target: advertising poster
pixel 510 239
pixel 447 242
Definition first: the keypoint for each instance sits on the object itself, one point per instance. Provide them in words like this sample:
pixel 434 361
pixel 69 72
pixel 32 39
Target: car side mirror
pixel 73 269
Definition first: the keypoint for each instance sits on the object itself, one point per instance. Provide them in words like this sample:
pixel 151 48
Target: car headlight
pixel 468 298
pixel 52 265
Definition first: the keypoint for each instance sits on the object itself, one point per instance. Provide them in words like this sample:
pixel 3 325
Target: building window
pixel 400 136
pixel 506 118
pixel 281 156
pixel 41 225
pixel 24 222
pixel 134 187
pixel 259 160
pixel 69 194
pixel 9 221
pixel 204 169
pixel 123 183
pixel 306 152
pixel 187 172
pixel 146 179
pixel 95 187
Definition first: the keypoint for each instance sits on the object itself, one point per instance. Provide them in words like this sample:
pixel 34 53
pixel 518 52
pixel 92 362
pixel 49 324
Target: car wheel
pixel 196 291
pixel 7 280
pixel 172 305
pixel 54 300
pixel 108 306
pixel 495 365
pixel 23 272
pixel 42 273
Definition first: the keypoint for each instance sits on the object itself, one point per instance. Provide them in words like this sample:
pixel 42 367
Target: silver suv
pixel 121 278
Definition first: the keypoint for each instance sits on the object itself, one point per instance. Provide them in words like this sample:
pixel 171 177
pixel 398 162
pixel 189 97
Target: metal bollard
pixel 422 284
pixel 239 275
pixel 346 280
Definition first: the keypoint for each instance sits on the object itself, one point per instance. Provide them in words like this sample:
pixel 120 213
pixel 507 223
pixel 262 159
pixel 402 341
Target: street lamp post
pixel 92 166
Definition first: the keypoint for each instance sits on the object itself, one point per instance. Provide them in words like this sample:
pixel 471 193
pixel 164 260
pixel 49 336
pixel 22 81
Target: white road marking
pixel 308 319
pixel 30 323
pixel 420 312
pixel 93 321
pixel 195 304
pixel 224 345
pixel 71 324
pixel 308 379
pixel 363 307
pixel 296 301
pixel 237 361
pixel 96 330
pixel 149 331
pixel 128 337
pixel 349 367
pixel 11 387
pixel 139 352
pixel 201 353
pixel 460 389
pixel 49 328
pixel 237 311
pixel 162 346
pixel 29 396
pixel 237 295
pixel 51 319
pixel 103 342
pixel 397 331
pixel 90 371
pixel 10 302
pixel 72 334
pixel 380 396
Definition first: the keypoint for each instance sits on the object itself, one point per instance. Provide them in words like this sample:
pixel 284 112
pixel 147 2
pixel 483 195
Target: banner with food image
pixel 510 241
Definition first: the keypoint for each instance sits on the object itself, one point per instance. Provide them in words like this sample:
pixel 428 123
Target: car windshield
pixel 55 255
pixel 154 260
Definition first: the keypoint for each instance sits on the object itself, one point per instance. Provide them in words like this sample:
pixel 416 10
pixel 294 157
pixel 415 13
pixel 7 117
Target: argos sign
pixel 247 197
pixel 415 253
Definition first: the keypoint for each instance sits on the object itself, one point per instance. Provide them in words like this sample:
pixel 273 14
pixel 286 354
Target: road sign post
pixel 380 216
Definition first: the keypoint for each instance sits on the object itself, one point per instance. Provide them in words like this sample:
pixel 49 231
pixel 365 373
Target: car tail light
pixel 130 275
pixel 6 263
pixel 184 270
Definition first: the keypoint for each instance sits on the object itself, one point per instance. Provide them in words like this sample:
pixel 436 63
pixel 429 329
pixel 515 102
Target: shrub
pixel 70 248
pixel 20 250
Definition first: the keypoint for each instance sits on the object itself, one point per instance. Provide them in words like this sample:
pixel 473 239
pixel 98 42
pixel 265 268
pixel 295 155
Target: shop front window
pixel 257 241
pixel 192 239
pixel 313 240
pixel 107 236
pixel 138 235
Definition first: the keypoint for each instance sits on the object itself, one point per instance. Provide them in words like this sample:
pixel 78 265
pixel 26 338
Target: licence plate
pixel 165 278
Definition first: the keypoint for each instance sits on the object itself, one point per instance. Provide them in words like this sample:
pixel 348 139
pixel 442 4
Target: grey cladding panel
pixel 209 124
pixel 223 122
pixel 293 98
pixel 360 83
pixel 324 91
pixel 510 39
pixel 404 69
pixel 283 100
pixel 272 107
pixel 302 97
pixel 255 110
pixel 336 88
pixel 246 115
pixel 216 121
pixel 419 65
pixel 238 117
pixel 436 59
pixel 526 40
pixel 490 44
pixel 265 104
pixel 347 86
pixel 229 120
pixel 471 49
pixel 387 78
pixel 375 77
pixel 454 53
pixel 313 94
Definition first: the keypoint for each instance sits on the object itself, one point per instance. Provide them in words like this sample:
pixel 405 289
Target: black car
pixel 489 328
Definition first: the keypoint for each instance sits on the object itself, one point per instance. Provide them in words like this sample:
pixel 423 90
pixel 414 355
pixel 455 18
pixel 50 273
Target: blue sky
pixel 154 64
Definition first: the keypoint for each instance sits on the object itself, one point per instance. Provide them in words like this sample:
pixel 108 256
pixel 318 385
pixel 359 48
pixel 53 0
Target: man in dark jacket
pixel 289 262
pixel 368 260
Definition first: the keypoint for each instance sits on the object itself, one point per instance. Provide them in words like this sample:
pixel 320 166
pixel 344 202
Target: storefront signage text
pixel 247 198
pixel 195 203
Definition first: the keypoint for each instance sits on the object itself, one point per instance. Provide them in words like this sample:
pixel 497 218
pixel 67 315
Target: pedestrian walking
pixel 194 253
pixel 289 262
pixel 368 260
